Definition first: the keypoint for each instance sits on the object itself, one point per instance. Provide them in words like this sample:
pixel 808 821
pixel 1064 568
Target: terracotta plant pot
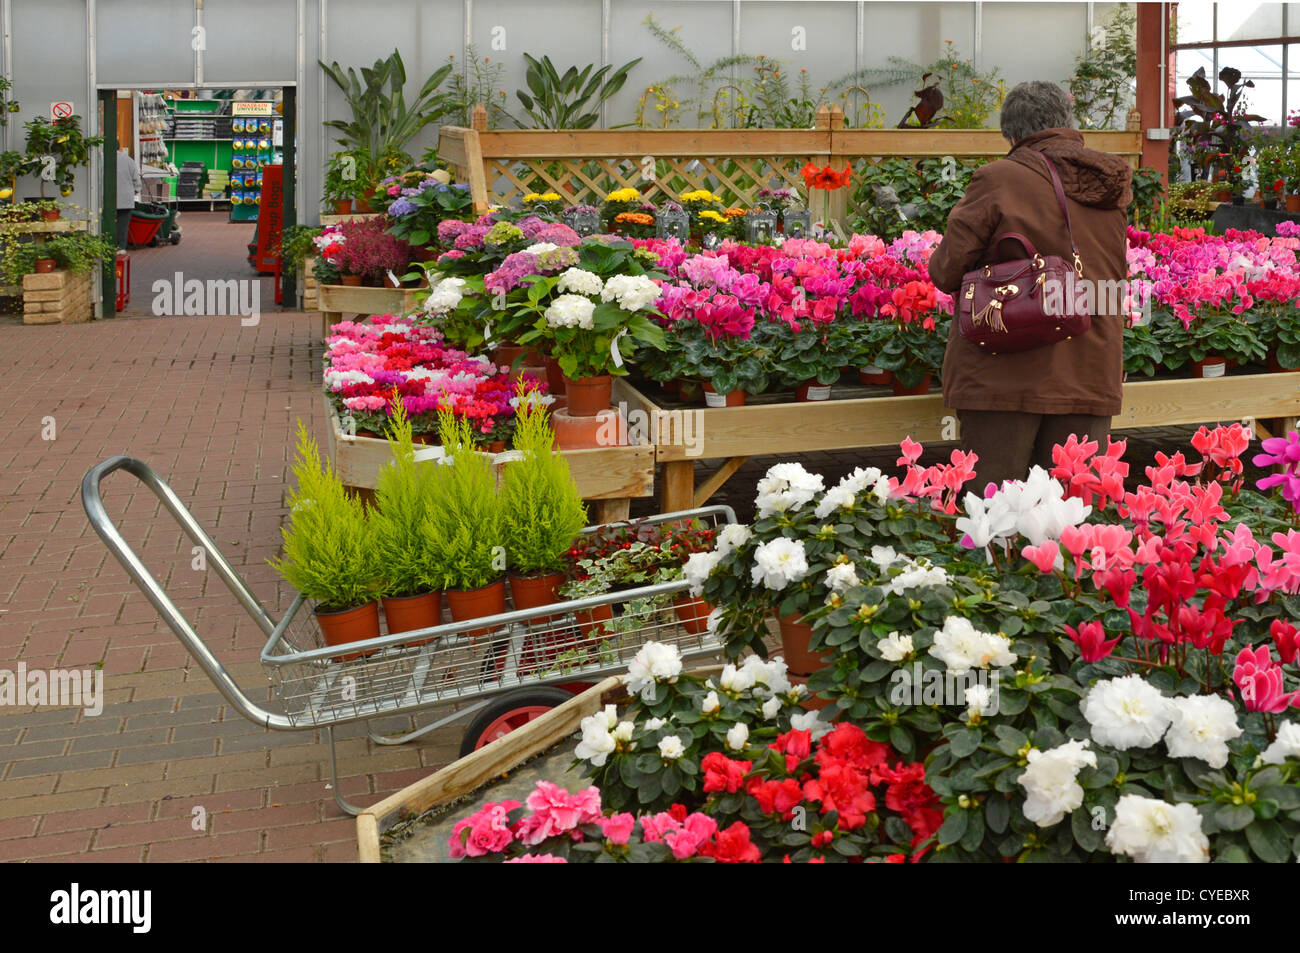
pixel 588 396
pixel 690 391
pixel 50 215
pixel 45 265
pixel 1293 203
pixel 392 282
pixel 712 398
pixel 532 592
pixel 794 646
pixel 350 625
pixel 408 613
pixel 873 376
pixel 351 281
pixel 811 391
pixel 360 205
pixel 693 614
pixel 554 376
pixel 1212 366
pixel 591 622
pixel 508 354
pixel 466 604
pixel 1273 365
pixel 536 371
pixel 496 446
pixel 606 429
pixel 534 357
pixel 343 207
pixel 922 388
pixel 672 388
pixel 1223 195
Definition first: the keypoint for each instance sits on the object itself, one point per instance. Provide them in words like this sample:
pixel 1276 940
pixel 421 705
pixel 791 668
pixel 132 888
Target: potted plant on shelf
pixel 415 218
pixel 405 494
pixel 342 177
pixel 464 530
pixel 713 338
pixel 371 254
pixel 542 512
pixel 328 550
pixel 63 141
pixel 1209 340
pixel 917 337
pixel 12 165
pixel 1291 172
pixel 810 360
pixel 1270 162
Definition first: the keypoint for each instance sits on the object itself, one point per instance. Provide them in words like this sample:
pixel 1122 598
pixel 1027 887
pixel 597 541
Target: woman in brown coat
pixel 1014 407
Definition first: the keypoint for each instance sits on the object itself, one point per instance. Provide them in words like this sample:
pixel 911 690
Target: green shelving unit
pixel 215 153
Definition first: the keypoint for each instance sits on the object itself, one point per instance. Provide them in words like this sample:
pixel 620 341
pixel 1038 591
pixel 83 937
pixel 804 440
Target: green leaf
pixel 1269 841
pixel 1234 817
pixel 1084 834
pixel 954 826
pixel 997 813
pixel 965 742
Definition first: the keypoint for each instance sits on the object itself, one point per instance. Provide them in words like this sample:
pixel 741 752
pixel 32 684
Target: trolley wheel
pixel 510 711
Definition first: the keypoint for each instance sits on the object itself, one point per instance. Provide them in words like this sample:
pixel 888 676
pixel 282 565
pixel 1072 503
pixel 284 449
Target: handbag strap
pixel 1065 211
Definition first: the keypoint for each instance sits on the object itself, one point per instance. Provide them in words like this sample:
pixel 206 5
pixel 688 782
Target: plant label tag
pixel 819 393
pixel 1213 370
pixel 714 399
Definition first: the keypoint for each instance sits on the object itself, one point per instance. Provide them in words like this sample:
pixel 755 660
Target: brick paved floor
pixel 212 405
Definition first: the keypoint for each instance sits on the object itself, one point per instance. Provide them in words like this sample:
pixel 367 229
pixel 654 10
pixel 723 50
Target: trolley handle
pixel 93 503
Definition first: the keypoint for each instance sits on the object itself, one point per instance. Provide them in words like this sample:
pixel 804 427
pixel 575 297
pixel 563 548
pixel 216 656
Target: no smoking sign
pixel 60 110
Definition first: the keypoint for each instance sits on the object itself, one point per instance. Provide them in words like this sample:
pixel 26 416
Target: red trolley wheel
pixel 510 711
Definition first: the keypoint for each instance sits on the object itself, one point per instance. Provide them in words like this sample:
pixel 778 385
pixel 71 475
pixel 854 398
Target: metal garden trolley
pixel 504 669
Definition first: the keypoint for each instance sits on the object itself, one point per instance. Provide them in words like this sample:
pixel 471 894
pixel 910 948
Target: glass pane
pixel 1249 21
pixel 1187 62
pixel 1263 66
pixel 1195 21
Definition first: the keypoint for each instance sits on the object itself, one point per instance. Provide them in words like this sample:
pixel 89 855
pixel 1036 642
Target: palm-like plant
pixel 566 102
pixel 382 123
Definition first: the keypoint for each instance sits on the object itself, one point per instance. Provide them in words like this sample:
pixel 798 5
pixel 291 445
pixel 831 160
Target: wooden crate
pixel 473 771
pixel 867 417
pixel 607 476
pixel 334 301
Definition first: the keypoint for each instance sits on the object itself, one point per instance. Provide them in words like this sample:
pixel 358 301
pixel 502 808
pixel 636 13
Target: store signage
pixel 251 109
pixel 60 110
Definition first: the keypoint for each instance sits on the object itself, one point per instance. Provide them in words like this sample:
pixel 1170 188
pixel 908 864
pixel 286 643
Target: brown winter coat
pixel 1079 376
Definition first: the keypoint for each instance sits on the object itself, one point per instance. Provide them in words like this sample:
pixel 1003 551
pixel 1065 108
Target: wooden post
pixel 830 119
pixel 1155 79
pixel 478 118
pixel 678 490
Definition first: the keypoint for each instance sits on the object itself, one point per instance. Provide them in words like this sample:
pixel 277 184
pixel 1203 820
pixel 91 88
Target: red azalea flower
pixel 732 846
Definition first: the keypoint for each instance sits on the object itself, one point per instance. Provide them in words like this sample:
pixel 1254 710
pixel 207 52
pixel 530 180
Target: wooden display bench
pixel 350 217
pixel 336 300
pixel 608 477
pixel 871 417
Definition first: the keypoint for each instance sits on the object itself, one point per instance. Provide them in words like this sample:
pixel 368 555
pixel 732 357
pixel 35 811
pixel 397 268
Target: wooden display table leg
pixel 326 319
pixel 715 483
pixel 678 490
pixel 610 511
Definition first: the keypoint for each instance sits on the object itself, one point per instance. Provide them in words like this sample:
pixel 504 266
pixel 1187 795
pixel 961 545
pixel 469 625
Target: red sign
pixel 60 110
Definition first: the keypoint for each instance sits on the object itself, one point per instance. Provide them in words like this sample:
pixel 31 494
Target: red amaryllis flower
pixel 826 178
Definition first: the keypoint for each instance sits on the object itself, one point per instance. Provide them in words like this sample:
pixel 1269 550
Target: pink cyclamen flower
pixel 1090 637
pixel 1046 557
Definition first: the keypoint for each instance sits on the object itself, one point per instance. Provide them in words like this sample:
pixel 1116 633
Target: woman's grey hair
pixel 1034 106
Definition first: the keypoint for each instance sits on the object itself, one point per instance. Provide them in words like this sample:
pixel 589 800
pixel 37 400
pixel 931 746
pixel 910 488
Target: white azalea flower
pixel 842 577
pixel 836 498
pixel 736 680
pixel 597 743
pixel 1156 832
pixel 654 724
pixel 737 736
pixel 979 701
pixel 962 647
pixel 732 537
pixel 623 731
pixel 895 647
pixel 786 486
pixel 1285 745
pixel 1126 712
pixel 779 562
pixel 671 748
pixel 713 621
pixel 771 708
pixel 811 722
pixel 768 676
pixel 1201 727
pixel 883 557
pixel 709 704
pixel 1049 781
pixel 655 662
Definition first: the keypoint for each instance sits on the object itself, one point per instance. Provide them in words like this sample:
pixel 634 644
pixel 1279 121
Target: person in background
pixel 128 193
pixel 1014 407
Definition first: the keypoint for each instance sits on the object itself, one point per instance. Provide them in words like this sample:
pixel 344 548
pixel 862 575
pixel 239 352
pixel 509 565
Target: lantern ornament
pixel 796 223
pixel 760 226
pixel 710 240
pixel 583 219
pixel 672 221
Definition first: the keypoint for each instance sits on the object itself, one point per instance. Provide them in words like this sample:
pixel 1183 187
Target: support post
pixel 1155 82
pixel 678 489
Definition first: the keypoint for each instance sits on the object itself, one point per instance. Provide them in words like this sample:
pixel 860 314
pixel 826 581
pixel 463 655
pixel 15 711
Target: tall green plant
pixel 382 123
pixel 1104 76
pixel 542 510
pixel 328 555
pixel 571 100
pixel 463 531
pixel 405 494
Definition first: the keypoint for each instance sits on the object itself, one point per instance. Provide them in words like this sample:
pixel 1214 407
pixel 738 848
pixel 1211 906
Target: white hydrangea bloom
pixel 538 248
pixel 1156 832
pixel 445 296
pixel 962 647
pixel 1201 727
pixel 632 292
pixel 1126 712
pixel 1049 781
pixel 570 311
pixel 579 281
pixel 779 562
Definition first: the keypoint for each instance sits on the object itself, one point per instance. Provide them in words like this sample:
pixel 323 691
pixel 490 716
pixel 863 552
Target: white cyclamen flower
pixel 786 486
pixel 655 662
pixel 895 647
pixel 842 577
pixel 1201 727
pixel 962 647
pixel 1049 781
pixel 579 281
pixel 737 736
pixel 710 704
pixel 697 569
pixel 623 731
pixel 632 292
pixel 570 311
pixel 1126 712
pixel 986 521
pixel 731 537
pixel 771 707
pixel 1156 832
pixel 1285 745
pixel 779 562
pixel 671 748
pixel 597 743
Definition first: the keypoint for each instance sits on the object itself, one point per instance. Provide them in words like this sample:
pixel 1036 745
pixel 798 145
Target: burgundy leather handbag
pixel 1026 303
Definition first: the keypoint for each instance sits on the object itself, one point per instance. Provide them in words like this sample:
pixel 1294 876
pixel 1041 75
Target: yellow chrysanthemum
pixel 699 195
pixel 713 216
pixel 623 195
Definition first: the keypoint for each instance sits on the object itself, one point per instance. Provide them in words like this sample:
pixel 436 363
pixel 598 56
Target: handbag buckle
pixel 1007 290
pixel 1078 265
pixel 1038 262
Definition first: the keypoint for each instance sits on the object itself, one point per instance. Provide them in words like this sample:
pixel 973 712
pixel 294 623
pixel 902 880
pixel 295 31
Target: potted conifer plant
pixel 542 512
pixel 328 549
pixel 463 531
pixel 404 496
